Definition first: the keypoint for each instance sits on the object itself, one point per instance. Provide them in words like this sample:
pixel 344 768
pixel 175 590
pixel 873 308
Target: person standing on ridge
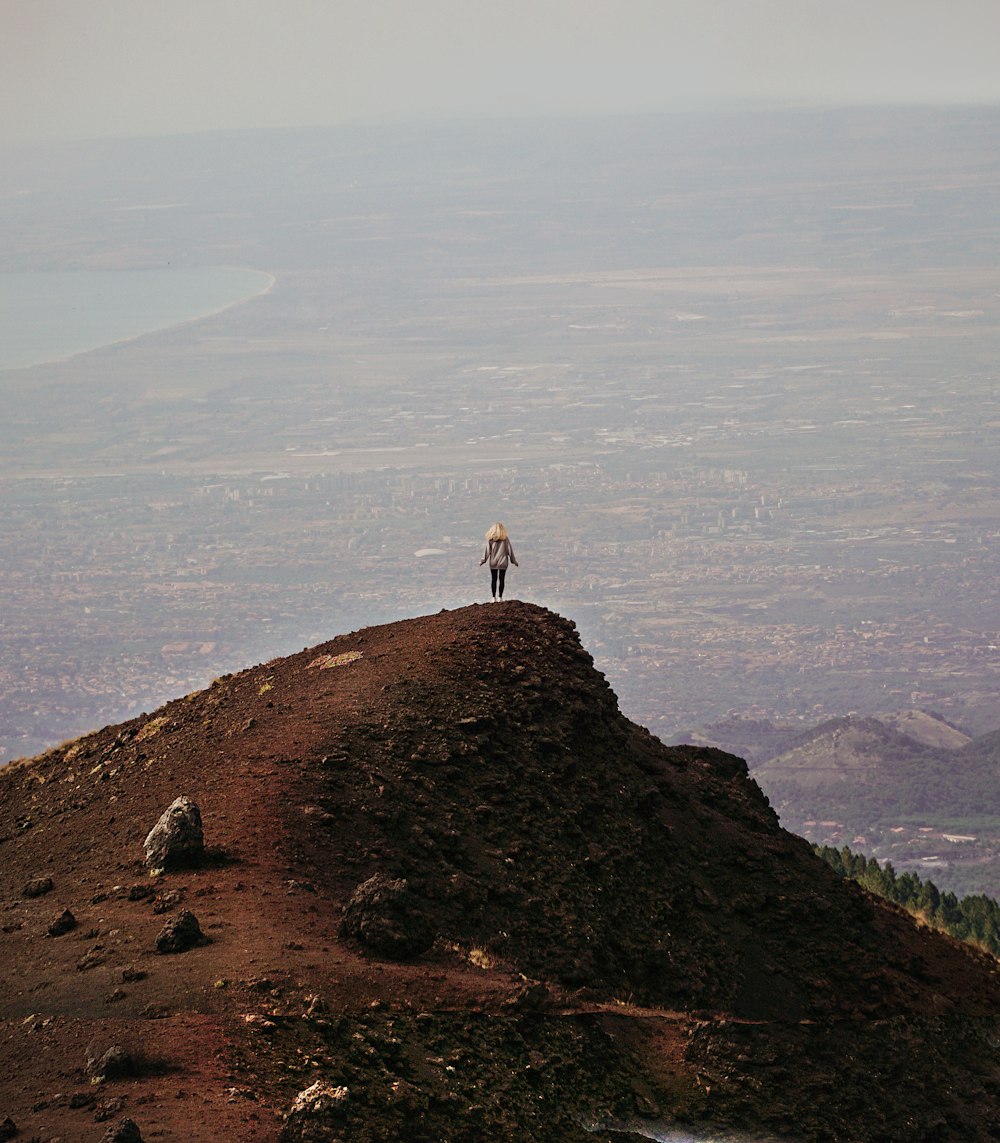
pixel 499 553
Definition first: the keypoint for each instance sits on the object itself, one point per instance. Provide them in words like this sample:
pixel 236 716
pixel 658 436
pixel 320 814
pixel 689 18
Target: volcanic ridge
pixel 447 891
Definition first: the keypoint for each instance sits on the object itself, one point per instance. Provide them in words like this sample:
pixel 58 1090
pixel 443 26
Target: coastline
pixel 58 358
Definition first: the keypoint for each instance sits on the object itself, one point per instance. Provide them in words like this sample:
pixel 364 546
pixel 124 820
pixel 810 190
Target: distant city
pixel 730 381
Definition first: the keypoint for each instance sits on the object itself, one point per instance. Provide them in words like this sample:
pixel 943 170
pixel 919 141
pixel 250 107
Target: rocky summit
pixel 444 890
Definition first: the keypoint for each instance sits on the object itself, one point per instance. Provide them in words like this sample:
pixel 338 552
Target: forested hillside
pixel 975 918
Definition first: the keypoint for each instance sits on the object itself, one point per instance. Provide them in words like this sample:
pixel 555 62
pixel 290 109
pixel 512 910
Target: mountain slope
pixel 983 753
pixel 446 877
pixel 927 728
pixel 855 752
pixel 863 771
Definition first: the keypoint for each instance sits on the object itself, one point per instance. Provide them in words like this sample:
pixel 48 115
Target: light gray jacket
pixel 498 552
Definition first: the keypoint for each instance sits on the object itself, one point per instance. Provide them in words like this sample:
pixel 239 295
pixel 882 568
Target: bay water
pixel 50 315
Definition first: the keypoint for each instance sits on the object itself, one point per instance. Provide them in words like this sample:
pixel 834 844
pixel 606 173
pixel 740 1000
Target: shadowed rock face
pixel 529 818
pixel 463 891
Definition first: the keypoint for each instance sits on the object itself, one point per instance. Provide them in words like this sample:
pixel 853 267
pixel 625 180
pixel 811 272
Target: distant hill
pixel 756 740
pixel 927 728
pixel 981 754
pixel 861 765
pixel 863 771
pixel 927 799
pixel 451 893
pixel 760 740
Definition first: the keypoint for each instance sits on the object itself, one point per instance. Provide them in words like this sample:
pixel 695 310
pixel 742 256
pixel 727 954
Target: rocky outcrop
pixel 565 927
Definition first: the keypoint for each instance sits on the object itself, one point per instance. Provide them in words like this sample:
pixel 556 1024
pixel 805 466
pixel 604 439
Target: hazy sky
pixel 81 68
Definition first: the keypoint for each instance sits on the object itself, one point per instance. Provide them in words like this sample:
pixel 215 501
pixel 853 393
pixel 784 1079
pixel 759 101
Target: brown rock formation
pixel 608 930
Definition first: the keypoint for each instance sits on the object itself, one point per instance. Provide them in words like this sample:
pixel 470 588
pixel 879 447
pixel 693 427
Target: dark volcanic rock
pixel 177 838
pixel 124 1132
pixel 37 887
pixel 8 1129
pixel 64 923
pixel 180 933
pixel 385 918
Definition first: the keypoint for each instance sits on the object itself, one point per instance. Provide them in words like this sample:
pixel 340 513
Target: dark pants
pixel 496 581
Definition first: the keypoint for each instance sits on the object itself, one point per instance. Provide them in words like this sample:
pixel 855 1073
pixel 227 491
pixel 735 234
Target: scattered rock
pixel 156 1012
pixel 112 1063
pixel 37 887
pixel 317 1005
pixel 166 901
pixel 180 933
pixel 532 996
pixel 125 1131
pixel 92 958
pixel 384 916
pixel 64 923
pixel 8 1129
pixel 141 892
pixel 108 1109
pixel 315 1112
pixel 177 838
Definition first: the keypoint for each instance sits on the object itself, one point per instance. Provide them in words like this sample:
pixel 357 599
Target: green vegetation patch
pixel 974 919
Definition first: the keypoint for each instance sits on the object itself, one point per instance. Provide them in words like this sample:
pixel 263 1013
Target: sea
pixel 51 315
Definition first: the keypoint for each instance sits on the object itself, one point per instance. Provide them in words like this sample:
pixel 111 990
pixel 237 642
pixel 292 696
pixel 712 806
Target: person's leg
pixel 503 574
pixel 493 582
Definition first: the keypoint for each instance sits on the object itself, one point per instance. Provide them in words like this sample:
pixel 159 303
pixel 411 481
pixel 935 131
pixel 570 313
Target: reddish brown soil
pixel 612 929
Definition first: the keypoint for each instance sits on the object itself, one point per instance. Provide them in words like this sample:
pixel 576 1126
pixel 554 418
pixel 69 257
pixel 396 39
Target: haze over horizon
pixel 111 68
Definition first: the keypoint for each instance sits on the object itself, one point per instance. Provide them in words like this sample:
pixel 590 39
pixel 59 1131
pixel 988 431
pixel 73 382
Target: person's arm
pixel 513 558
pixel 486 556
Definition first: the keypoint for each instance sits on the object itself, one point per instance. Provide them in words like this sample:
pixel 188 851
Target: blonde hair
pixel 497 532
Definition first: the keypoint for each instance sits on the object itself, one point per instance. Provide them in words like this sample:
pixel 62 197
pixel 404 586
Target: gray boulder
pixel 177 838
pixel 109 1063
